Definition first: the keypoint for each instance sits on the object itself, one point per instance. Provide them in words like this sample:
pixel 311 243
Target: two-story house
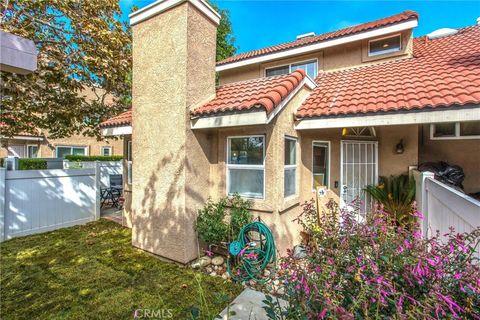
pixel 337 110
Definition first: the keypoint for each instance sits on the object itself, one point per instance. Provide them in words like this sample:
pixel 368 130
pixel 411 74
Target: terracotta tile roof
pixel 264 93
pixel 401 17
pixel 442 72
pixel 123 119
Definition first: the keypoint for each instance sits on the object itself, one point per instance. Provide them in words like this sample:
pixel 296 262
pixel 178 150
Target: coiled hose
pixel 253 251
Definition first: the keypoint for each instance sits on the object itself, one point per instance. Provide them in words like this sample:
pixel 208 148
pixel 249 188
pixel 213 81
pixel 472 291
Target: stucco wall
pixel 389 162
pixel 462 152
pixel 274 209
pixel 173 70
pixel 339 57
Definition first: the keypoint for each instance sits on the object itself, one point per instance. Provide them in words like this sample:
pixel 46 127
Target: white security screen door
pixel 359 169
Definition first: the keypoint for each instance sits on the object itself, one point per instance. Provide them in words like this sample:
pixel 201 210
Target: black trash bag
pixel 444 172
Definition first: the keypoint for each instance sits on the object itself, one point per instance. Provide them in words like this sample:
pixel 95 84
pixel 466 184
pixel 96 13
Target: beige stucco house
pixel 41 145
pixel 338 109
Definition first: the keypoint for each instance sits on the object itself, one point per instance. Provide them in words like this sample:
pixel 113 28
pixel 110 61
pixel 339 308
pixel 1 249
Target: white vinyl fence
pixel 35 201
pixel 444 207
pixel 106 169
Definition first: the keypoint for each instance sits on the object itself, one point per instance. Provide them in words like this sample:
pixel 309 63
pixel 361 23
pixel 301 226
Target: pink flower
pixel 209 253
pixel 322 314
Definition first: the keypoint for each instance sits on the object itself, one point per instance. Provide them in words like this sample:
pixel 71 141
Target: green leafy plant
pixel 32 164
pixel 221 221
pixel 79 158
pixel 396 194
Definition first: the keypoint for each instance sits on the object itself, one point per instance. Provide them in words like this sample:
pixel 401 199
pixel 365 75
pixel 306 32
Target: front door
pixel 359 168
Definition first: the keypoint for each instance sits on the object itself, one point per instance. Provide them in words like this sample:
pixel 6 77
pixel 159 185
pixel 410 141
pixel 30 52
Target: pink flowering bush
pixel 377 270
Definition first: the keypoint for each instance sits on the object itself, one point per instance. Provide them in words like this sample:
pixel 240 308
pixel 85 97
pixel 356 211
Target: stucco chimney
pixel 174 44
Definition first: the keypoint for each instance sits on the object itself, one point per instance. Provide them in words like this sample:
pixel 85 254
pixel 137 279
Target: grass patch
pixel 93 272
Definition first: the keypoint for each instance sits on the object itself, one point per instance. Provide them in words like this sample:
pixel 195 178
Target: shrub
pixel 378 270
pixel 79 158
pixel 396 194
pixel 221 221
pixel 32 164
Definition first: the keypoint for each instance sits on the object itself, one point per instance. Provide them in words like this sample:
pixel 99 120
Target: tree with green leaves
pixel 225 38
pixel 81 45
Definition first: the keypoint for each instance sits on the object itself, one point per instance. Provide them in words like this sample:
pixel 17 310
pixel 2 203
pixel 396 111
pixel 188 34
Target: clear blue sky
pixel 257 24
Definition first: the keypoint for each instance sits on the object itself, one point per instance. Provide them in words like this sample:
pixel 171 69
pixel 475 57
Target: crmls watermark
pixel 153 314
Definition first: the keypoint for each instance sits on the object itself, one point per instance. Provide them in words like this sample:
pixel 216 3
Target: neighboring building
pixel 338 109
pixel 17 54
pixel 40 145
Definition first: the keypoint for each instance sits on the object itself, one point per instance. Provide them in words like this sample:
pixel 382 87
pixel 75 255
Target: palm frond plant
pixel 396 194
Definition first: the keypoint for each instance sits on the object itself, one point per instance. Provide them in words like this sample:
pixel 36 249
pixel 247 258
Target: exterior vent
pixel 305 35
pixel 440 33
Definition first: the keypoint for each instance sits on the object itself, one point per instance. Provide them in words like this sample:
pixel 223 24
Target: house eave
pixel 423 116
pixel 410 24
pixel 117 131
pixel 257 117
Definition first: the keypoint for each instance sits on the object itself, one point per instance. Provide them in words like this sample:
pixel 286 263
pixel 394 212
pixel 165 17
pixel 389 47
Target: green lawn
pixel 93 272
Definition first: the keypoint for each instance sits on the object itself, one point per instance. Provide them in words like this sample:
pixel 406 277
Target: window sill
pixel 289 202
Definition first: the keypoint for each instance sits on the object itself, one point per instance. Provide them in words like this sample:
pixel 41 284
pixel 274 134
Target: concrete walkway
pixel 112 214
pixel 248 306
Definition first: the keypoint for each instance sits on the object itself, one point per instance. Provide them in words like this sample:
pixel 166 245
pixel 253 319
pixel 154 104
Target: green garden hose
pixel 252 252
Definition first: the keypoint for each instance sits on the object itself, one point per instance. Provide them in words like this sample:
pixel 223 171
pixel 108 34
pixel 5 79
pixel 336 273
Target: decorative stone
pixel 209 269
pixel 218 261
pixel 225 276
pixel 276 282
pixel 213 274
pixel 266 273
pixel 204 261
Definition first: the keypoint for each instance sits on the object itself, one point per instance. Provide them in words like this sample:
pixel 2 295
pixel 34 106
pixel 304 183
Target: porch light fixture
pixel 400 148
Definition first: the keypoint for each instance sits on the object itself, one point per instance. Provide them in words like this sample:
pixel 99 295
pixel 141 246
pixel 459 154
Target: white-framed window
pixel 290 167
pixel 106 150
pixel 129 162
pixel 385 45
pixel 310 67
pixel 62 151
pixel 455 130
pixel 321 164
pixel 246 166
pixel 32 151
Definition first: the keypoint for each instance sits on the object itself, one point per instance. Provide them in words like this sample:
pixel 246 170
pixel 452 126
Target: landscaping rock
pixel 209 269
pixel 225 276
pixel 204 261
pixel 213 274
pixel 267 273
pixel 218 261
pixel 201 263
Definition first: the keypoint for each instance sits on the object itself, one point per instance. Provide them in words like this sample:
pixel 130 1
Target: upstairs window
pixel 246 166
pixel 310 68
pixel 277 71
pixel 384 45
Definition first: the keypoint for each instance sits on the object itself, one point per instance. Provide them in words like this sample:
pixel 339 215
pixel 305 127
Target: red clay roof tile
pixel 442 72
pixel 123 119
pixel 264 93
pixel 401 17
